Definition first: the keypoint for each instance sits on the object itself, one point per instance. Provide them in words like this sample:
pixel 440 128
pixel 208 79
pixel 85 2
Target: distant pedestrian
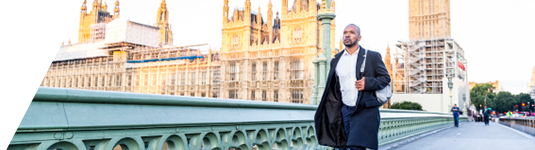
pixel 456 111
pixel 486 114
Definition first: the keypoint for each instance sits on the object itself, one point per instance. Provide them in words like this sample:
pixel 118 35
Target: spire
pixel 96 6
pixel 341 45
pixel 259 16
pixel 84 7
pixel 162 21
pixel 247 12
pixel 116 10
pixel 387 62
pixel 284 9
pixel 104 6
pixel 332 5
pixel 225 12
pixel 270 14
pixel 297 6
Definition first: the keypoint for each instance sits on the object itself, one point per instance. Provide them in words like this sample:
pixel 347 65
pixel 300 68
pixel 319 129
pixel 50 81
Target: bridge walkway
pixel 469 136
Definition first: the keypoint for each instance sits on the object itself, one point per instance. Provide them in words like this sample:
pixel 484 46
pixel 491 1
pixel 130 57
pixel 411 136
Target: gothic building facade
pixel 264 59
pixel 270 59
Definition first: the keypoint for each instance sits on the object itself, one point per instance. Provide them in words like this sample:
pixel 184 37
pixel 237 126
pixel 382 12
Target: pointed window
pixel 235 40
pixel 298 34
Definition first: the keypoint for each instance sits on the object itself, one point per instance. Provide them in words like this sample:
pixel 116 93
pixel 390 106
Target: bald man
pixel 348 114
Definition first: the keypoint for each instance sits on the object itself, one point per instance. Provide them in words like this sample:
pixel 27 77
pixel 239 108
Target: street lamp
pixel 529 106
pixel 450 86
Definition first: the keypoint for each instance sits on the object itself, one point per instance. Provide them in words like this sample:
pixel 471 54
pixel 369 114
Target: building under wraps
pixel 119 55
pixel 430 60
pixel 260 59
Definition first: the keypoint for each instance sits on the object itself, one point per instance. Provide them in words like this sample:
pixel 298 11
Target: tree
pixel 523 98
pixel 406 105
pixel 481 91
pixel 505 101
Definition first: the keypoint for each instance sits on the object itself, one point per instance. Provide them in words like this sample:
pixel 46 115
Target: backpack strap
pixel 364 61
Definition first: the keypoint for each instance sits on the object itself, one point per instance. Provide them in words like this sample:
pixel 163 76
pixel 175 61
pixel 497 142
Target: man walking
pixel 486 114
pixel 455 111
pixel 348 114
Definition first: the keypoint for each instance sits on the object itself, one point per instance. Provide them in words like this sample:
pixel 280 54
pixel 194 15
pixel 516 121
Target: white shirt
pixel 346 71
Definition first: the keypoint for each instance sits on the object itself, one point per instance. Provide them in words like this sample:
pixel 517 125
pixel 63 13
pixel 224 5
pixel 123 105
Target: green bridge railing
pixel 70 119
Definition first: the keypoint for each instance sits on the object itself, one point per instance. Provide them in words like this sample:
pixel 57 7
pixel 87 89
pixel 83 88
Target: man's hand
pixel 359 84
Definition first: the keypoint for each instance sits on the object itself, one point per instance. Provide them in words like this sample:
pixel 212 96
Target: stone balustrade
pixel 524 124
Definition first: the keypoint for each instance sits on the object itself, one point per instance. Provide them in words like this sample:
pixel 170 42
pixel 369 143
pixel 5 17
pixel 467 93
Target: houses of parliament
pixel 260 59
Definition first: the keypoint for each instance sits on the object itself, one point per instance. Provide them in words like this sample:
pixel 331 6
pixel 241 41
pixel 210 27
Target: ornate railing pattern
pixel 69 119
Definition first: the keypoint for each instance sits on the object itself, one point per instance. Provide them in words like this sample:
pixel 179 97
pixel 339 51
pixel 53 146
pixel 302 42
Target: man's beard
pixel 352 44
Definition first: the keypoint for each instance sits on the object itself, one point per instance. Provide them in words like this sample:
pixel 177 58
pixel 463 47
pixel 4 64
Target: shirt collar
pixel 346 53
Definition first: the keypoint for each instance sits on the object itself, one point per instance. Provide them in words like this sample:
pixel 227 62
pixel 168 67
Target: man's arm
pixel 381 80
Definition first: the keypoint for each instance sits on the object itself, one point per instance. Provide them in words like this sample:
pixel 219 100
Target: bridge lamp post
pixel 450 86
pixel 529 106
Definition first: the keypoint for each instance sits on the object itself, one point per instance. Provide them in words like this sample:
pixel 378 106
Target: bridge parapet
pixel 68 119
pixel 525 124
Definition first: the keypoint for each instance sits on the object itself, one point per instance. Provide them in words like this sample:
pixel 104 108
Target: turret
pixel 104 6
pixel 332 5
pixel 247 11
pixel 312 6
pixel 297 6
pixel 270 13
pixel 284 8
pixel 96 6
pixel 247 21
pixel 225 12
pixel 162 21
pixel 83 10
pixel 259 17
pixel 116 10
pixel 388 64
pixel 270 21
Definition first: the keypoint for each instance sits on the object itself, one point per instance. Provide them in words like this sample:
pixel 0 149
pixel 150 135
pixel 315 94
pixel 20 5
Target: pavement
pixel 470 136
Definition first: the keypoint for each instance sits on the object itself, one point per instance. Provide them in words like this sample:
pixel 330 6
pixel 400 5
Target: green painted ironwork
pixel 68 119
pixel 326 15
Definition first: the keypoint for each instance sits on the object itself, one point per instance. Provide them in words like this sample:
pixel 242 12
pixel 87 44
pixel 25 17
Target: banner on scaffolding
pixel 461 65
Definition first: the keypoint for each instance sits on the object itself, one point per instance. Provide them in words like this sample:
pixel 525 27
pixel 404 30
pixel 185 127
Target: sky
pixel 496 35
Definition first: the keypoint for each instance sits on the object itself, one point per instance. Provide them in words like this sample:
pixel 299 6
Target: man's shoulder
pixel 374 53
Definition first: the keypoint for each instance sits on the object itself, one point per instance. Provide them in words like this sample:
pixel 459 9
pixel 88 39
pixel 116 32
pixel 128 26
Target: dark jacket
pixel 486 113
pixel 328 118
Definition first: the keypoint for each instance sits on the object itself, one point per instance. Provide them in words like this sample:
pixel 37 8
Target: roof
pixel 81 51
pixel 120 30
